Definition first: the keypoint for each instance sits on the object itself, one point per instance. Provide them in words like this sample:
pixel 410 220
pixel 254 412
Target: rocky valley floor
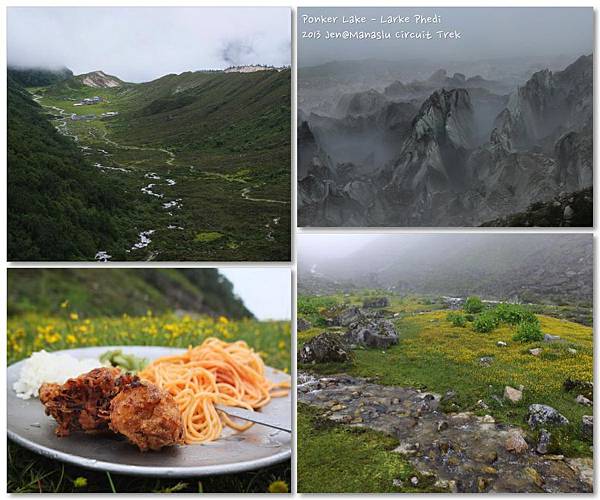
pixel 444 408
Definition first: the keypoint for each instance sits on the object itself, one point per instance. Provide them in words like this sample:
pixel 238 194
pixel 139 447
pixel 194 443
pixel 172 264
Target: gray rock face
pixel 324 348
pixel 544 415
pixel 303 324
pixel 372 333
pixel 376 302
pixel 345 317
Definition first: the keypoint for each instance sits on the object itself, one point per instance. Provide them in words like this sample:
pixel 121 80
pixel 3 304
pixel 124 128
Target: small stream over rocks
pixel 464 452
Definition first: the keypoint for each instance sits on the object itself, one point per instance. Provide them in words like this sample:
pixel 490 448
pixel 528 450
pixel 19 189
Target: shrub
pixel 513 314
pixel 529 331
pixel 473 305
pixel 485 322
pixel 457 319
pixel 470 317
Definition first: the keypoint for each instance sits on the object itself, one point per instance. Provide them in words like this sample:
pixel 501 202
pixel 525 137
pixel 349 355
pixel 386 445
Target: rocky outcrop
pixel 376 302
pixel 371 333
pixel 324 348
pixel 303 324
pixel 99 79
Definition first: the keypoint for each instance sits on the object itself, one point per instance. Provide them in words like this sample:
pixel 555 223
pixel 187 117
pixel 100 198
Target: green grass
pixel 228 133
pixel 28 472
pixel 340 459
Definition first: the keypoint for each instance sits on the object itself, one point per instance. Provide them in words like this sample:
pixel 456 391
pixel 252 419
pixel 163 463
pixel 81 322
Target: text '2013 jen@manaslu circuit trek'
pixel 374 27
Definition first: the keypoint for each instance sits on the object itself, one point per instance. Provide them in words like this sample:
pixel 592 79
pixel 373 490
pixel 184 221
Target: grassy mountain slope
pixel 59 208
pixel 94 292
pixel 38 77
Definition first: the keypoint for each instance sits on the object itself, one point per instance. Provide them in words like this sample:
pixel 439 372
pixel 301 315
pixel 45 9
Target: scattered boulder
pixel 325 347
pixel 303 324
pixel 485 360
pixel 414 480
pixel 582 400
pixel 512 394
pixel 343 317
pixel 372 333
pixel 543 414
pixel 580 386
pixel 515 443
pixel 536 352
pixel 376 302
pixel 543 442
pixel 587 423
pixel 552 338
pixel 500 343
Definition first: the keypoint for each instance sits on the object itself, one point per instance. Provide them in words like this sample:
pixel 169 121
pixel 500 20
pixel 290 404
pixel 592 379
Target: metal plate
pixel 235 452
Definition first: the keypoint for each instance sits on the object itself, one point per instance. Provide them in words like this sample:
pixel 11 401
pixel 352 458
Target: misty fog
pixel 141 44
pixel 538 267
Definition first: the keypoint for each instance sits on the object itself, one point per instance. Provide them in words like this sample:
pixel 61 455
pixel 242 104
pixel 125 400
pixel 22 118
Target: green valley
pixel 200 162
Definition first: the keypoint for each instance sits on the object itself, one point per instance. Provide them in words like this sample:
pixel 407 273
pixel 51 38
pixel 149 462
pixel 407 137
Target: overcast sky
pixel 141 44
pixel 267 292
pixel 485 33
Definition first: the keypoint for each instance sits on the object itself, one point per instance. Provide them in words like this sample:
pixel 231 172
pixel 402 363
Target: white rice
pixel 43 367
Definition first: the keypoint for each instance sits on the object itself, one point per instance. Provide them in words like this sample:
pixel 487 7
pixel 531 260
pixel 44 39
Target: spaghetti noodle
pixel 215 372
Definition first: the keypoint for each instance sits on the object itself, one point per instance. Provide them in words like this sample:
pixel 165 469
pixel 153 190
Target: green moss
pixel 208 236
pixel 340 459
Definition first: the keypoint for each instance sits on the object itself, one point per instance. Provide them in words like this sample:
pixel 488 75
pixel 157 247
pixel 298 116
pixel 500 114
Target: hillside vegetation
pixel 112 292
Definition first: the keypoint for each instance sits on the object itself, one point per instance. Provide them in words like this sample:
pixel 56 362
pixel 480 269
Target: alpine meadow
pixel 193 166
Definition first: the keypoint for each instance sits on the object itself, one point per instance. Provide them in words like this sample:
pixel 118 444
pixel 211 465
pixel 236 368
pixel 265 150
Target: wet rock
pixel 582 400
pixel 372 333
pixel 324 348
pixel 376 302
pixel 513 395
pixel 446 484
pixel 587 425
pixel 303 324
pixel 543 442
pixel 584 468
pixel 501 344
pixel 543 414
pixel 482 484
pixel 515 443
pixel 534 476
pixel 535 352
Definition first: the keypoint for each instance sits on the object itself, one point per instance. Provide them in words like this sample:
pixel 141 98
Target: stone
pixel 481 484
pixel 512 394
pixel 376 302
pixel 534 476
pixel 543 414
pixel 587 425
pixel 580 386
pixel 535 352
pixel 568 212
pixel 324 348
pixel 303 324
pixel 572 351
pixel 501 344
pixel 485 360
pixel 406 448
pixel 398 483
pixel 582 400
pixel 344 317
pixel 489 470
pixel 551 338
pixel 337 407
pixel 372 333
pixel 543 442
pixel 414 480
pixel 442 425
pixel 488 419
pixel 515 443
pixel 482 404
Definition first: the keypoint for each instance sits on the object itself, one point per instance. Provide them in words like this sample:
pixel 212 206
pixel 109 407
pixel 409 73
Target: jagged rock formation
pixel 452 163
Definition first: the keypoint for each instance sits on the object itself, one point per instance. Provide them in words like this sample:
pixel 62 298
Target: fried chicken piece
pixel 83 403
pixel 147 416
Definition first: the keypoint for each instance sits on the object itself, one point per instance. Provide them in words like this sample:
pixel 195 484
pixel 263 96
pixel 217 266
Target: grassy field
pixel 28 472
pixel 199 154
pixel 433 354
